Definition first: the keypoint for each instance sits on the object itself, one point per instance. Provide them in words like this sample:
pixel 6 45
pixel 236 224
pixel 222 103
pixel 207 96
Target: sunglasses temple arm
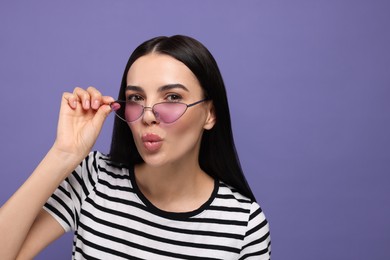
pixel 197 102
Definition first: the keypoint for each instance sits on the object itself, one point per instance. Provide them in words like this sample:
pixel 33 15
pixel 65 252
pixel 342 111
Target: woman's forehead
pixel 159 70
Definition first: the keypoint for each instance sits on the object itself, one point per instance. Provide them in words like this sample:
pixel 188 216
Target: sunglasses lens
pixel 133 111
pixel 128 112
pixel 166 112
pixel 169 112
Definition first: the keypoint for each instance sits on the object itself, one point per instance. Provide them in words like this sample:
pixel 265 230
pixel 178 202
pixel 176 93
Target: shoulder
pixel 257 240
pixel 95 165
pixel 97 160
pixel 109 174
pixel 230 197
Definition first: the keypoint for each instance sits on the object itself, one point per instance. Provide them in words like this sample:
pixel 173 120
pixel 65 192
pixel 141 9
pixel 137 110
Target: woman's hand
pixel 81 118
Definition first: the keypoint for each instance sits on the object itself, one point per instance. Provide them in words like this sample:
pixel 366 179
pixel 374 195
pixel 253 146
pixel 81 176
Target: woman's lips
pixel 151 142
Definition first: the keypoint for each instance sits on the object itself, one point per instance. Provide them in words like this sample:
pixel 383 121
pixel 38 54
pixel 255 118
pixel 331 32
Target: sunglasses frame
pixel 152 109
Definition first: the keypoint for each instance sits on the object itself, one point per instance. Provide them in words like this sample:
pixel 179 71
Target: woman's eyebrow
pixel 160 89
pixel 134 88
pixel 172 86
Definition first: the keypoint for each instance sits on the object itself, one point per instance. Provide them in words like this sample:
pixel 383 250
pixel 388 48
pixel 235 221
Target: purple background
pixel 308 84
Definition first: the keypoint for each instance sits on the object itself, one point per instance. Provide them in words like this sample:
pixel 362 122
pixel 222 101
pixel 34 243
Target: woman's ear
pixel 211 117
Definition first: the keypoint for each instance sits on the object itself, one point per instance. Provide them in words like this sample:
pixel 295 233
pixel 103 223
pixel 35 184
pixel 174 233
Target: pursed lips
pixel 152 142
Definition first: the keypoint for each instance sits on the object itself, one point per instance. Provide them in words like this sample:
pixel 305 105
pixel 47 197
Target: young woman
pixel 170 188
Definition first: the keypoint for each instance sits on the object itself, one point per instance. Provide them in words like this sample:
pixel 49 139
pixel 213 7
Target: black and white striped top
pixel 102 204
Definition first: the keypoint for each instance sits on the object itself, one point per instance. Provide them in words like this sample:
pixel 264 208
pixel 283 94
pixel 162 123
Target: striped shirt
pixel 112 219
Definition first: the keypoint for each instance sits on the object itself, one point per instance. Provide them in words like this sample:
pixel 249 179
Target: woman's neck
pixel 174 188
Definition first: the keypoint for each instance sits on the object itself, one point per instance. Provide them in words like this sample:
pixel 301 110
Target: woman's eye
pixel 134 98
pixel 173 97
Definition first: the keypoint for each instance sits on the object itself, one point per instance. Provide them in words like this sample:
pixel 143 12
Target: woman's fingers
pixel 71 99
pixel 104 110
pixel 95 97
pixel 107 100
pixel 82 96
pixel 81 118
pixel 91 98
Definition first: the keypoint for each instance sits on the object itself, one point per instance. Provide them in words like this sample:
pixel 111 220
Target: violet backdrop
pixel 308 84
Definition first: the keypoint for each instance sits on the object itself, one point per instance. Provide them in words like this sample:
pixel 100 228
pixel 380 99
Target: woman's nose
pixel 149 116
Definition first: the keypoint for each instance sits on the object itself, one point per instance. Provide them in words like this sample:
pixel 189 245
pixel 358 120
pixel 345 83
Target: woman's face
pixel 155 78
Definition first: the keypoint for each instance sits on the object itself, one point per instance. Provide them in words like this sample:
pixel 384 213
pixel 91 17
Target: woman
pixel 171 187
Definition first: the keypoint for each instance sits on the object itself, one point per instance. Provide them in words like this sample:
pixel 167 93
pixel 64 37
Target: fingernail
pixel 96 104
pixel 87 104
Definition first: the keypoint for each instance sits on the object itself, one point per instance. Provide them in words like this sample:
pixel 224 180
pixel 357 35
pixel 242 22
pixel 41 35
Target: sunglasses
pixel 165 112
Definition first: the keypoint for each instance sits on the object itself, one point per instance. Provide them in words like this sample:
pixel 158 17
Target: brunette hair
pixel 217 156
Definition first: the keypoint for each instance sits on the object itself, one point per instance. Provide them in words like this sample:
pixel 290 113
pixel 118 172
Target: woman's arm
pixel 19 213
pixel 81 118
pixel 257 241
pixel 44 230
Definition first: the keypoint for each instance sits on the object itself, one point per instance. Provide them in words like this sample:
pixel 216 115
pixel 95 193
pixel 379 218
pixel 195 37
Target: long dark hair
pixel 217 156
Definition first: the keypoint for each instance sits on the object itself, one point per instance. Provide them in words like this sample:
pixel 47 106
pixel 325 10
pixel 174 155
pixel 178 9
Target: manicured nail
pixel 96 104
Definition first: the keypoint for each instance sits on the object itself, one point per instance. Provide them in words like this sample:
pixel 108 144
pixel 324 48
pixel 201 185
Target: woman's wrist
pixel 63 161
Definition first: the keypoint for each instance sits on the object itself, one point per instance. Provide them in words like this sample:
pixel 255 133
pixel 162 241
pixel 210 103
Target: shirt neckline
pixel 168 214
